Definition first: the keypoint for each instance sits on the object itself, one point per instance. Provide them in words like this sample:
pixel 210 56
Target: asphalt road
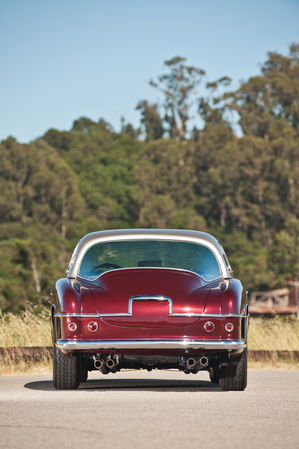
pixel 151 410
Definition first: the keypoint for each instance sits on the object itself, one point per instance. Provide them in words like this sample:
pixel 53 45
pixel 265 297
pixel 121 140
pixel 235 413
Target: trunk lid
pixel 151 297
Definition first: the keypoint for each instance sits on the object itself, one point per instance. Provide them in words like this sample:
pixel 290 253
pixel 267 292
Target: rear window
pixel 189 256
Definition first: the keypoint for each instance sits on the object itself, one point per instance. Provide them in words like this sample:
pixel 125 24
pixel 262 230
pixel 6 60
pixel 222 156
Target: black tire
pixel 83 375
pixel 214 373
pixel 66 370
pixel 233 373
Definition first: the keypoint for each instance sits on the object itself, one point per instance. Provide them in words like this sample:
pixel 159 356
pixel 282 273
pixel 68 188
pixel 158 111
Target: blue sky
pixel 63 59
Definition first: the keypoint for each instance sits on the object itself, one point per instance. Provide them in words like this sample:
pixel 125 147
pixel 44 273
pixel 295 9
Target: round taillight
pixel 209 326
pixel 93 326
pixel 72 327
pixel 229 327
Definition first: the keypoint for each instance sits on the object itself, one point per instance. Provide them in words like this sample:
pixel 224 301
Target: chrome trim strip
pixel 149 234
pixel 149 298
pixel 187 315
pixel 150 344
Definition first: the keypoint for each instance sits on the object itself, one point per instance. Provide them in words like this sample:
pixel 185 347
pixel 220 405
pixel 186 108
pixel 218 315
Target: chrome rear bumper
pixel 114 345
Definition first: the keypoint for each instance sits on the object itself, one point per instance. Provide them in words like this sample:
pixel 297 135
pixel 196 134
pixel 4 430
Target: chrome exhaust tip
pixel 110 363
pixel 204 361
pixel 98 363
pixel 191 363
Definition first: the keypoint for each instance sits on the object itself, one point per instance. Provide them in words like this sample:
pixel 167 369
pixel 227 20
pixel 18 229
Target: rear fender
pixel 73 296
pixel 228 298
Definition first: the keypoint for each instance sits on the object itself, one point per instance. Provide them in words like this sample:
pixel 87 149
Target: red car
pixel 150 299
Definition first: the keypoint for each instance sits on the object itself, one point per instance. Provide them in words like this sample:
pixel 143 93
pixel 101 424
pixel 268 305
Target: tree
pixel 151 120
pixel 60 140
pixel 178 85
pixel 103 162
pixel 206 106
pixel 164 186
pixel 283 256
pixel 129 129
pixel 269 97
pixel 216 174
pixel 37 186
pixel 83 124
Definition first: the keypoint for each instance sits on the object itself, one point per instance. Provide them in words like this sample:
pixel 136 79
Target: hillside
pixel 244 190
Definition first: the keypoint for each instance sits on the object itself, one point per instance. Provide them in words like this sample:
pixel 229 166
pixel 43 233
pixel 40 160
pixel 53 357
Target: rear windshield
pixel 149 253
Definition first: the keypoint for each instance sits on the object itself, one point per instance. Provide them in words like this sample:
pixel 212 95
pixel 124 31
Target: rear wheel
pixel 233 373
pixel 214 373
pixel 83 375
pixel 66 370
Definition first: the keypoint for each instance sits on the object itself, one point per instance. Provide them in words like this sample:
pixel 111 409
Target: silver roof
pixel 147 234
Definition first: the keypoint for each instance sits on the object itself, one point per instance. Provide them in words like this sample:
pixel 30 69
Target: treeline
pixel 244 190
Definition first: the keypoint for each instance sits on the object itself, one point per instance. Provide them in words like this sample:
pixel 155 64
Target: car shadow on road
pixel 134 385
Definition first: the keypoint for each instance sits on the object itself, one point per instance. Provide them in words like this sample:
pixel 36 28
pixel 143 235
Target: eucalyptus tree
pixel 270 96
pixel 151 120
pixel 178 86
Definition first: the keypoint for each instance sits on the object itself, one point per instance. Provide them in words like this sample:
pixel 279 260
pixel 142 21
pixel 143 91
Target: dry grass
pixel 32 328
pixel 273 364
pixel 280 333
pixel 23 368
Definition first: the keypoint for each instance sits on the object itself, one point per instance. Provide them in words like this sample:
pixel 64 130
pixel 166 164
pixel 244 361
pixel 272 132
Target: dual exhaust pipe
pixel 190 365
pixel 105 366
pixel 193 366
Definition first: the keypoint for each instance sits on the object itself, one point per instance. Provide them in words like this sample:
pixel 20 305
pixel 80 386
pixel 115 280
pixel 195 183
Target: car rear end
pixel 150 299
